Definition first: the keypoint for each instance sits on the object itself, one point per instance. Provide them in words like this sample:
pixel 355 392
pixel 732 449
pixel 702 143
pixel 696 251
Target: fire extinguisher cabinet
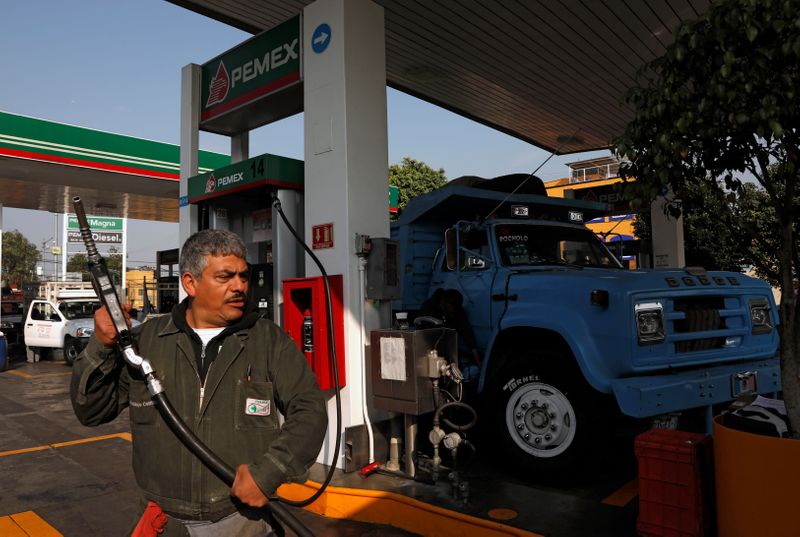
pixel 305 319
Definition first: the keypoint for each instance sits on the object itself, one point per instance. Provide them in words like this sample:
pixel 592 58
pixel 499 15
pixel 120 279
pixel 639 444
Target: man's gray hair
pixel 216 242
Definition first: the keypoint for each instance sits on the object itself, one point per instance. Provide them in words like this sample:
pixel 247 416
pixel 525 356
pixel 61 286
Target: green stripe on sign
pixel 22 133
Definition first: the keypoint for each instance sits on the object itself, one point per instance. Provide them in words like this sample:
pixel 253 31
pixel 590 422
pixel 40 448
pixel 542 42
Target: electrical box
pixel 305 319
pixel 401 374
pixel 383 273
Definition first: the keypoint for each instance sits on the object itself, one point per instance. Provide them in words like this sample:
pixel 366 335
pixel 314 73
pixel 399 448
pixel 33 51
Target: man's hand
pixel 104 326
pixel 245 488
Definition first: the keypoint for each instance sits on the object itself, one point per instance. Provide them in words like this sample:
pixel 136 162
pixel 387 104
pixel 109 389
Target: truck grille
pixel 701 314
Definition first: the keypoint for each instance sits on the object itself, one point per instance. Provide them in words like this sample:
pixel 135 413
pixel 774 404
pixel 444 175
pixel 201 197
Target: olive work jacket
pixel 236 418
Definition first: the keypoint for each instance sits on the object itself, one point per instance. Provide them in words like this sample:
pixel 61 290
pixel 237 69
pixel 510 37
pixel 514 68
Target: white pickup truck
pixel 61 319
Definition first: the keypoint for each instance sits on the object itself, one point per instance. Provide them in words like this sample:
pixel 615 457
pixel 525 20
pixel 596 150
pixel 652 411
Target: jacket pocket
pixel 141 406
pixel 254 406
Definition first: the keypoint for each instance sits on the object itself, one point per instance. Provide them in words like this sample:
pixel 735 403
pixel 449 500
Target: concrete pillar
pixel 668 250
pixel 190 142
pixel 346 159
pixel 240 147
pixel 287 254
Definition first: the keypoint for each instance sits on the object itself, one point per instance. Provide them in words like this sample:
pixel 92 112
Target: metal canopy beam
pixel 550 72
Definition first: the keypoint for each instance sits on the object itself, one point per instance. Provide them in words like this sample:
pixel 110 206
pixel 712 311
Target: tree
pixel 723 101
pixel 79 263
pixel 413 178
pixel 19 258
pixel 713 238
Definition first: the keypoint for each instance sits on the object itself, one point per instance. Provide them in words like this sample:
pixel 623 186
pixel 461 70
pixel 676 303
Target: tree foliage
pixel 19 258
pixel 721 102
pixel 413 178
pixel 79 263
pixel 713 230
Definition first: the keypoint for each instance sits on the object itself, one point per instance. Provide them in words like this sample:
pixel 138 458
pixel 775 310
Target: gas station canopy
pixel 552 73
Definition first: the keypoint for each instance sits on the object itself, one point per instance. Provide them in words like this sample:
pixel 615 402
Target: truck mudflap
pixel 642 397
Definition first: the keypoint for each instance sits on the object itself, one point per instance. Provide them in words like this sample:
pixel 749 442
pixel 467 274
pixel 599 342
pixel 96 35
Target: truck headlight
pixel 760 316
pixel 84 332
pixel 649 322
pixel 6 325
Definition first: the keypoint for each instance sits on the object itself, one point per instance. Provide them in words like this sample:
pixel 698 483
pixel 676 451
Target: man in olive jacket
pixel 228 373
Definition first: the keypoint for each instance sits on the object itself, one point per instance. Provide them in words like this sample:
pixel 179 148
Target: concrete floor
pixel 88 488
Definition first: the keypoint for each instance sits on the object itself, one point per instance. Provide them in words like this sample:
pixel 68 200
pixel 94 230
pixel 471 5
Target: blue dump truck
pixel 569 338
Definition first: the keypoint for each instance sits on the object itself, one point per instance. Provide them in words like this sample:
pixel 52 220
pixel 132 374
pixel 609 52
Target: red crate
pixel 674 484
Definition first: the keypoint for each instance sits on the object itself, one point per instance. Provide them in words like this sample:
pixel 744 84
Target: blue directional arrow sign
pixel 321 38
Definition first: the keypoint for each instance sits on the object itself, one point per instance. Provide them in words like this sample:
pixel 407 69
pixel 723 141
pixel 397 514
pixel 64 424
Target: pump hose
pixel 334 363
pixel 219 467
pixel 455 404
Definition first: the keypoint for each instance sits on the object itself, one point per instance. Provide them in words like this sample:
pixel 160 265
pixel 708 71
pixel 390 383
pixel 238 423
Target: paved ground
pixel 78 480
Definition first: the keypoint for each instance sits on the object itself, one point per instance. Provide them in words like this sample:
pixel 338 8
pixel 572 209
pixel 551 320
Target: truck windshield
pixel 78 310
pixel 532 244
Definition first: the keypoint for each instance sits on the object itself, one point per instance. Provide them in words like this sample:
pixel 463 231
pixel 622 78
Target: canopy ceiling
pixel 550 72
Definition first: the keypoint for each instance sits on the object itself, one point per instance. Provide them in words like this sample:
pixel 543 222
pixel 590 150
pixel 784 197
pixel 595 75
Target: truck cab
pixel 65 323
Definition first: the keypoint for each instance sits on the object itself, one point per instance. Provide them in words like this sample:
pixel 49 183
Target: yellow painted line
pixel 124 436
pixel 25 375
pixel 34 525
pixel 22 374
pixel 623 496
pixel 9 528
pixel 381 507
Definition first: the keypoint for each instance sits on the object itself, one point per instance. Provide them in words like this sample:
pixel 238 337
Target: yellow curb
pixel 124 436
pixel 26 524
pixel 381 507
pixel 623 496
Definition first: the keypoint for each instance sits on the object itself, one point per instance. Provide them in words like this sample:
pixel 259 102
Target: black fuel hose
pixel 217 466
pixel 455 404
pixel 334 365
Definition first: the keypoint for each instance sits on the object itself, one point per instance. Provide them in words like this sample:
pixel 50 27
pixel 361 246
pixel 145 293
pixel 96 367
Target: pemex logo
pixel 211 184
pixel 218 89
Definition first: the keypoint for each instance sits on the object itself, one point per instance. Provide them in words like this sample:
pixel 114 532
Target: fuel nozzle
pixel 308 332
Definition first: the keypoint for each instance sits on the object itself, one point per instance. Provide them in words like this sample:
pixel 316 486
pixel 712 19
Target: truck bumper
pixel 643 397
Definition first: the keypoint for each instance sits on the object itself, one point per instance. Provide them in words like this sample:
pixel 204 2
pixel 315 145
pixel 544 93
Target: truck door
pixel 473 276
pixel 44 325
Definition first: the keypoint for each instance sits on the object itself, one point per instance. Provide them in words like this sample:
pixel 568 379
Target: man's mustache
pixel 238 297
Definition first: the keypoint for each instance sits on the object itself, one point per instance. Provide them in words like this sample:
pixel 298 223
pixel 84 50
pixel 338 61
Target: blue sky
pixel 115 66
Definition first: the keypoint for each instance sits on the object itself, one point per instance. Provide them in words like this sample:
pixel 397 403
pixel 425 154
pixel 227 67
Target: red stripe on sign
pixel 254 184
pixel 249 96
pixel 88 164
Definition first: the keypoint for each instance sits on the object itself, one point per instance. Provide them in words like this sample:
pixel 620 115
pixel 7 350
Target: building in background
pixel 594 180
pixel 141 289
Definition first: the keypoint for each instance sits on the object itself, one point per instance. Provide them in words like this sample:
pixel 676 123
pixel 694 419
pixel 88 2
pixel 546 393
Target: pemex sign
pixel 257 68
pixel 105 230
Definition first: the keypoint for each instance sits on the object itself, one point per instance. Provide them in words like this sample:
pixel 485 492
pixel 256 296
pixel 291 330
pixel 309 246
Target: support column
pixel 667 235
pixel 190 144
pixel 346 159
pixel 240 147
pixel 286 254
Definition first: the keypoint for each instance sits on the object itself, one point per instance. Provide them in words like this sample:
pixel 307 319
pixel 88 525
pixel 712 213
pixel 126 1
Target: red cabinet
pixel 305 319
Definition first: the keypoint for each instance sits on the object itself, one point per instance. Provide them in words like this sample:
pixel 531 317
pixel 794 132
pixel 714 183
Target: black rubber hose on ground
pixel 219 467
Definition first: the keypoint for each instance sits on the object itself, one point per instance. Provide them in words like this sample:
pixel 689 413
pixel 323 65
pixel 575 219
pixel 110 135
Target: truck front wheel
pixel 71 351
pixel 549 421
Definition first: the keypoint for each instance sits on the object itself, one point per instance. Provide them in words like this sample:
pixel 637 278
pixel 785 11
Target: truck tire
pixel 71 351
pixel 550 423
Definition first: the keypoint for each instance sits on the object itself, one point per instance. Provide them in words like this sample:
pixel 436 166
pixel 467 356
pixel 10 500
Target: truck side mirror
pixel 450 248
